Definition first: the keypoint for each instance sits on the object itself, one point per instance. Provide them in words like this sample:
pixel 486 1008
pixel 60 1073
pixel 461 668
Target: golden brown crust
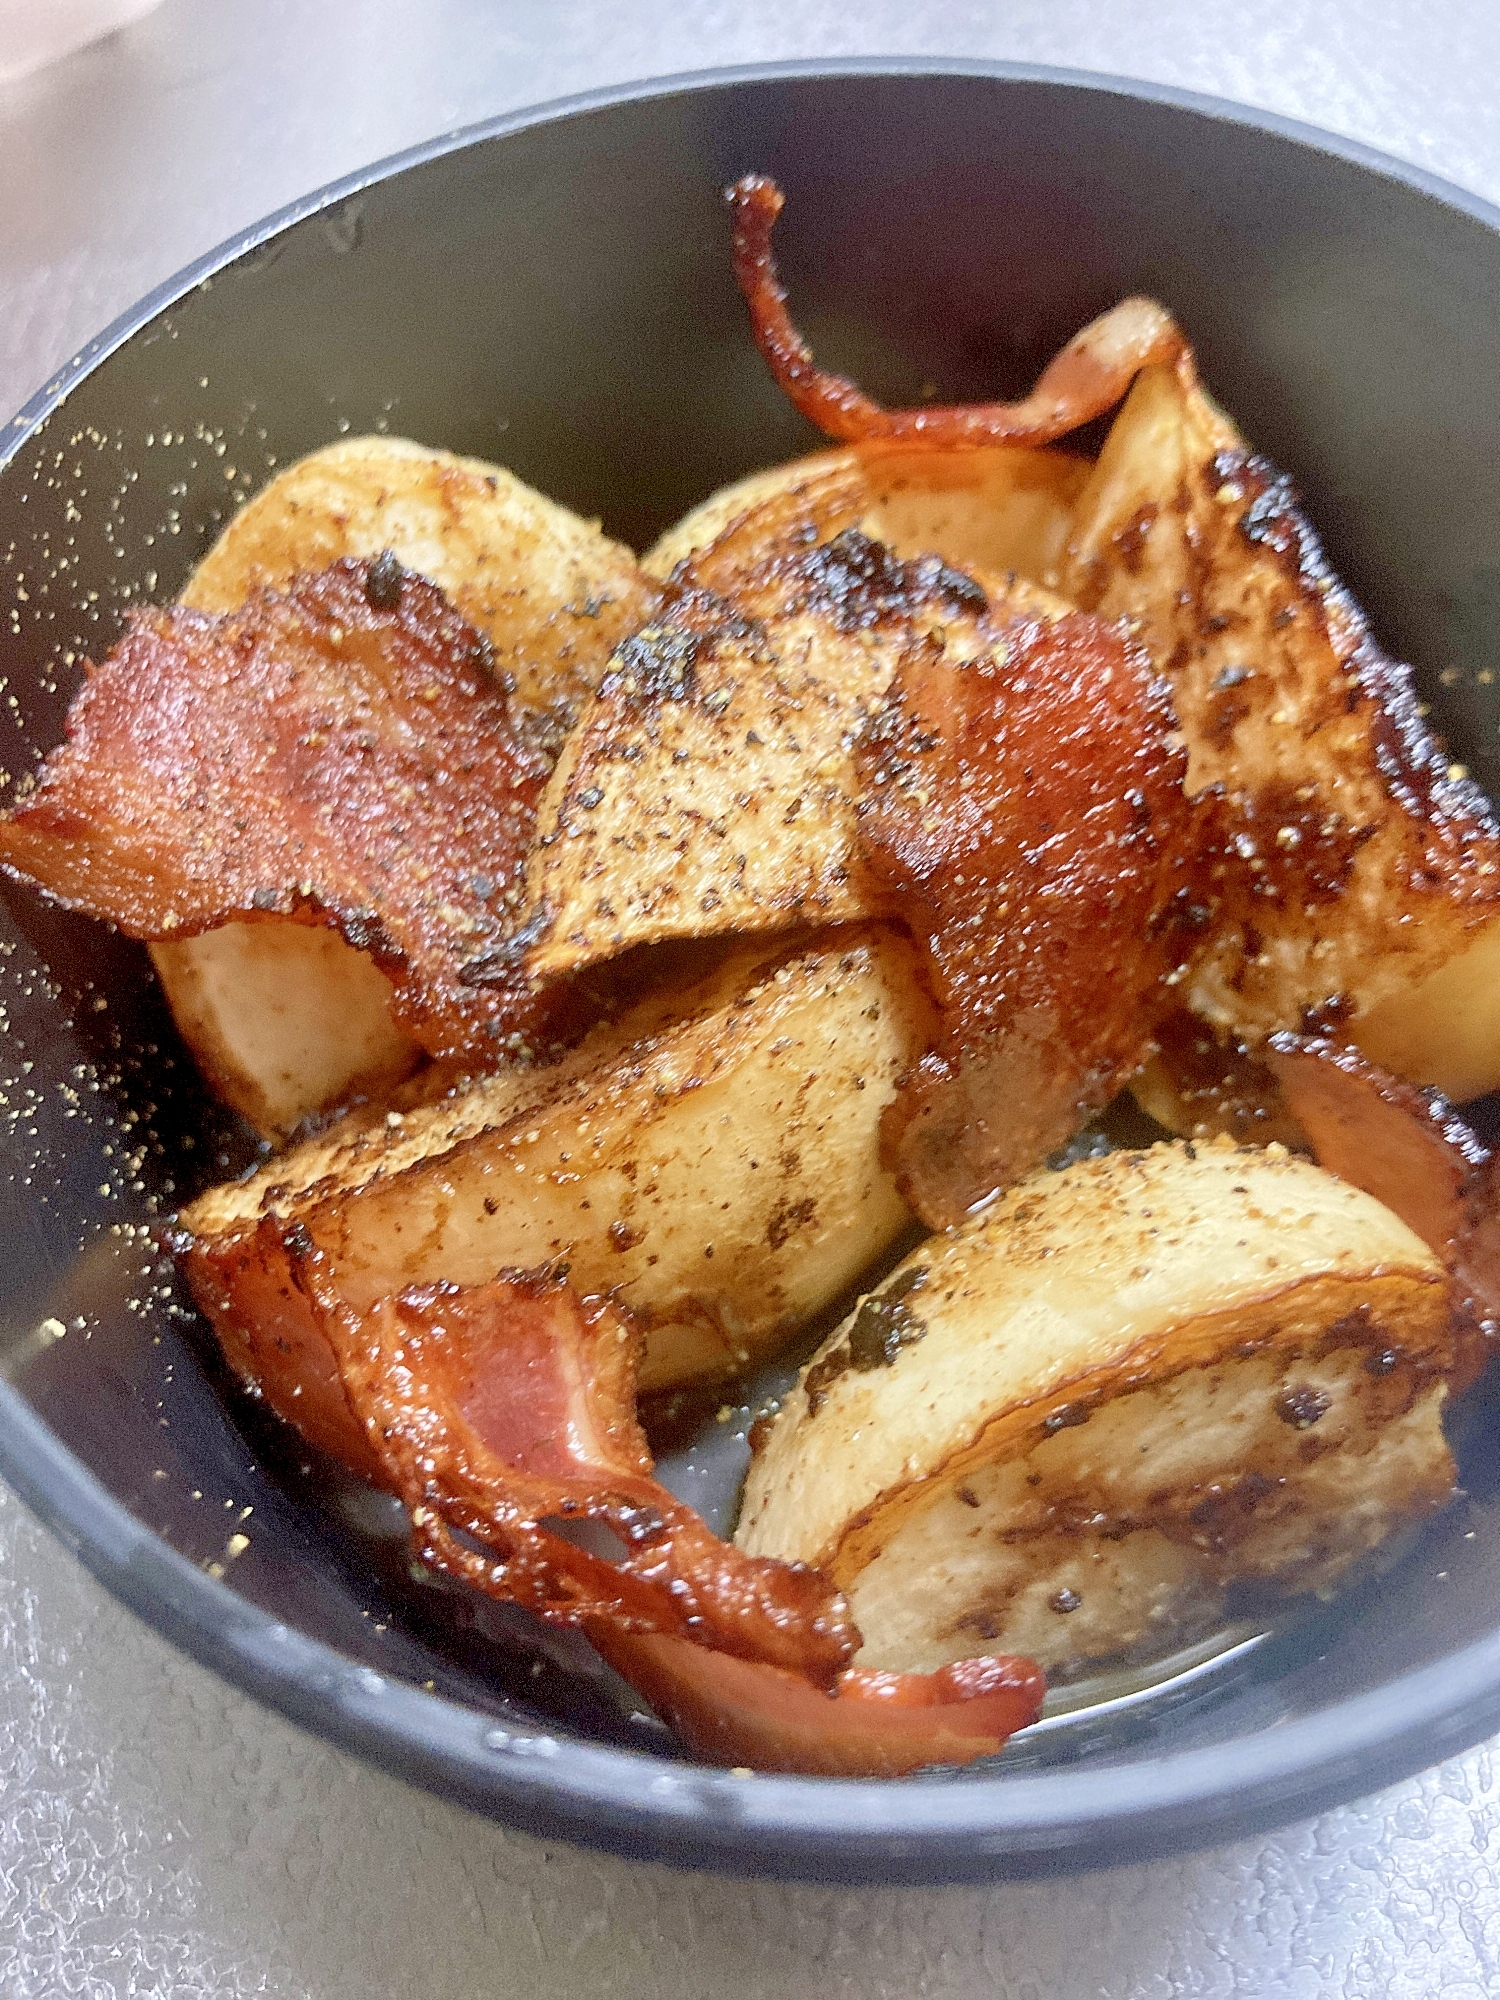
pixel 1076 1286
pixel 712 786
pixel 1402 1313
pixel 764 1082
pixel 1124 1387
pixel 1364 860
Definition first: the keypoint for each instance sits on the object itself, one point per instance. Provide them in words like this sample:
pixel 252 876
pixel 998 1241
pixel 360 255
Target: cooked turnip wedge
pixel 1078 1419
pixel 712 786
pixel 285 1021
pixel 994 510
pixel 712 1158
pixel 1441 1028
pixel 841 734
pixel 1376 871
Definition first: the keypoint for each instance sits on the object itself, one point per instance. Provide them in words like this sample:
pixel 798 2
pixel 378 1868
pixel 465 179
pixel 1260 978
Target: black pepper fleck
pixel 1302 1406
pixel 383 581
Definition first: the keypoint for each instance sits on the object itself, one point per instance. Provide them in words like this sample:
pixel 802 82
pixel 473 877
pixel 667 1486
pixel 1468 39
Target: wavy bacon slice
pixel 1024 814
pixel 876 1725
pixel 338 753
pixel 496 1409
pixel 1087 378
pixel 1406 1147
pixel 502 1414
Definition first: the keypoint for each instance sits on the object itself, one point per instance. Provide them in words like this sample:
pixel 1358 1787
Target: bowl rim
pixel 631 1801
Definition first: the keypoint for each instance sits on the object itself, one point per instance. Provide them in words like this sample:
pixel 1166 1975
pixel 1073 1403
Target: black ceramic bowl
pixel 554 291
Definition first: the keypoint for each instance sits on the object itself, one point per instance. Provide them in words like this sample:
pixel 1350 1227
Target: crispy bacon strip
pixel 1087 378
pixel 495 1409
pixel 876 1725
pixel 271 1336
pixel 1406 1147
pixel 1024 815
pixel 339 754
pixel 503 1414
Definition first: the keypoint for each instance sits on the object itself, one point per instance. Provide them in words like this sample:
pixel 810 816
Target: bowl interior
pixel 557 295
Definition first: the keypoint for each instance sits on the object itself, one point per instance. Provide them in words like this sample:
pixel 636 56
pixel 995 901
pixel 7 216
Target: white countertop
pixel 160 1834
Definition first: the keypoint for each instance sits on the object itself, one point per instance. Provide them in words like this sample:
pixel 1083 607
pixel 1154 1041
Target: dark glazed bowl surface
pixel 554 292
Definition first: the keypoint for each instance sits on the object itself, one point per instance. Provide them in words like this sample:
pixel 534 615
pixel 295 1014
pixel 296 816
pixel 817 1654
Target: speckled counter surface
pixel 162 1835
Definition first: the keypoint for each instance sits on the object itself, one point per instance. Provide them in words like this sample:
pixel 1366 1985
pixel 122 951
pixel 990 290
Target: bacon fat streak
pixel 1409 1149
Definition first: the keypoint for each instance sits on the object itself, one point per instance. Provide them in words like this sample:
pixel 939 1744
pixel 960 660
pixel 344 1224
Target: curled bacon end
pixel 1088 377
pixel 503 1415
pixel 870 1725
pixel 1408 1149
pixel 272 1338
